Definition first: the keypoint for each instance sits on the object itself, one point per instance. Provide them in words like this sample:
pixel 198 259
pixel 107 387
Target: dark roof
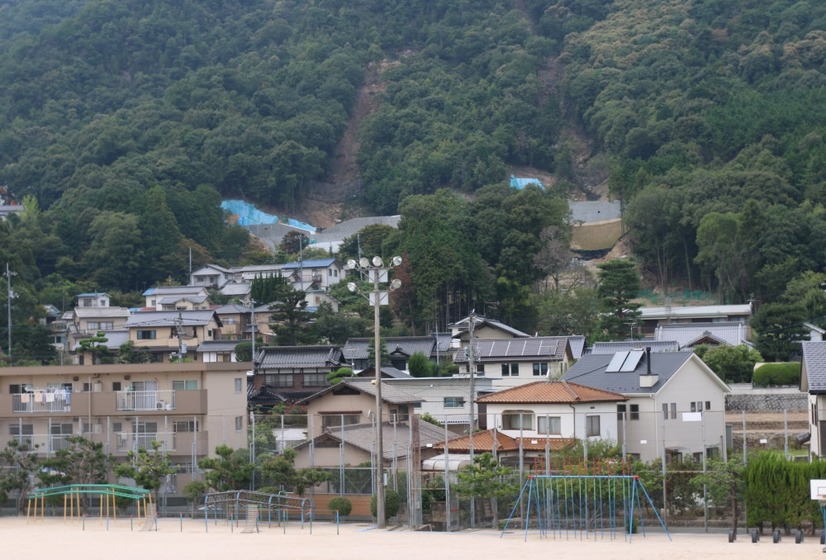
pixel 389 393
pixel 265 396
pixel 363 435
pixel 219 345
pixel 626 345
pixel 386 372
pixel 274 357
pixel 539 347
pixel 556 392
pixel 311 263
pixel 591 370
pixel 814 366
pixel 359 348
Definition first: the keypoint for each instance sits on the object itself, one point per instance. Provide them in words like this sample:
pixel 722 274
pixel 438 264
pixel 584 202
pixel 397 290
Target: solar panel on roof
pixel 616 362
pixel 633 360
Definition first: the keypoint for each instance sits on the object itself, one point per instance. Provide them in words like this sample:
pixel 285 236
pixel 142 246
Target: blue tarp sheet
pixel 249 215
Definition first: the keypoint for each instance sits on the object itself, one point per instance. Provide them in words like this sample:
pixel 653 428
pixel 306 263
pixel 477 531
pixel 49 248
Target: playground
pixel 176 539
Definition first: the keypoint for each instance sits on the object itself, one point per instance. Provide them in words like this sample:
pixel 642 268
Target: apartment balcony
pixel 104 403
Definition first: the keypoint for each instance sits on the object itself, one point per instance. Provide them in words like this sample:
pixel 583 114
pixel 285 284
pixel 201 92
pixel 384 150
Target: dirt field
pixel 54 539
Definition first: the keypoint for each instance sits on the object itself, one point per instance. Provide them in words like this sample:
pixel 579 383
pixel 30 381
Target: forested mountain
pixel 123 124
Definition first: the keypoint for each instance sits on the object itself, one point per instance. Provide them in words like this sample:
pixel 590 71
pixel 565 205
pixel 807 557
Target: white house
pixel 557 410
pixel 675 407
pixel 813 382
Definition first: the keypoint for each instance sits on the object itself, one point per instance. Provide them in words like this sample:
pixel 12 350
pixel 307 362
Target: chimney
pixel 648 379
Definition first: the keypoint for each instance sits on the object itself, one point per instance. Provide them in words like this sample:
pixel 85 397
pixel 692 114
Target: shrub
pixel 342 505
pixel 392 503
pixel 774 374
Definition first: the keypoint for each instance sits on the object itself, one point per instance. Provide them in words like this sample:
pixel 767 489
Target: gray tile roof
pixel 362 436
pixel 275 357
pixel 518 349
pixel 389 393
pixel 386 372
pixel 219 345
pixel 100 312
pixel 590 371
pixel 195 318
pixel 814 366
pixel 732 333
pixel 464 324
pixel 359 348
pixel 626 345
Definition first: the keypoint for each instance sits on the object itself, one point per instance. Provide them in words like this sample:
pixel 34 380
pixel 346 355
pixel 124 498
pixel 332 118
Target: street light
pixel 377 272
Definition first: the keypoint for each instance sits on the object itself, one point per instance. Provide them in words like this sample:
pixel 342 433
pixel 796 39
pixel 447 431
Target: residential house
pixel 691 335
pixel 296 372
pixel 189 408
pixel 315 296
pixel 483 328
pixel 177 298
pixel 210 276
pixel 508 450
pixel 236 320
pixel 321 272
pixel 511 362
pixel 446 399
pixel 358 351
pixel 675 407
pixel 553 410
pixel 614 346
pixel 92 315
pixel 222 350
pixel 652 317
pixel 331 238
pixel 813 382
pixel 171 332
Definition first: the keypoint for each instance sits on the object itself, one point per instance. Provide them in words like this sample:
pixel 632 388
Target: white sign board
pixel 817 489
pixel 692 416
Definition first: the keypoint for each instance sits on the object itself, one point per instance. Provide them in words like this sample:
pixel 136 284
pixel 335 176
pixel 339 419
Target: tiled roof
pixel 389 393
pixel 359 348
pixel 174 298
pixel 174 290
pixel 484 442
pixel 273 357
pixel 100 312
pixel 362 436
pixel 626 345
pixel 386 372
pixel 219 345
pixel 732 333
pixel 232 309
pixel 236 289
pixel 814 364
pixel 540 347
pixel 590 371
pixel 194 318
pixel 311 263
pixel 556 392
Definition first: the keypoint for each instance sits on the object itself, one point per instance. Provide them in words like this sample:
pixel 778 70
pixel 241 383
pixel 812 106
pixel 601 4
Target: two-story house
pixel 511 362
pixel 675 407
pixel 172 332
pixel 296 372
pixel 177 298
pixel 357 351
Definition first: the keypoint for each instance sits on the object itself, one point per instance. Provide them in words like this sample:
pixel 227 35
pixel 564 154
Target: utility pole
pixel 471 414
pixel 10 295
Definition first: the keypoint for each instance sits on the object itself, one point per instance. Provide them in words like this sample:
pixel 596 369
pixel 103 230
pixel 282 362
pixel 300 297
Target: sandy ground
pixel 53 539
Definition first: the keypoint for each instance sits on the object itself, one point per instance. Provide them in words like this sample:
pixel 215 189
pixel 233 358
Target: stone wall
pixel 767 402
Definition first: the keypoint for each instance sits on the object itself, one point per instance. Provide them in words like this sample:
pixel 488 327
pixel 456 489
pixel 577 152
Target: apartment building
pixel 189 407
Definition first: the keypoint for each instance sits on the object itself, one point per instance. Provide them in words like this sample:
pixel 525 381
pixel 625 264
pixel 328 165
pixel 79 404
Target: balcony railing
pixel 42 401
pixel 145 400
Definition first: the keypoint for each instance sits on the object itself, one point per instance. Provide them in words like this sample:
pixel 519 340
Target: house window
pixel 635 411
pixel 510 370
pixel 332 421
pixel 283 380
pixel 665 411
pixel 540 369
pixel 182 426
pixel 517 420
pixel 621 412
pixel 696 406
pixel 186 385
pixel 480 369
pixel 147 334
pixel 454 402
pixel 708 405
pixel 551 425
pixel 22 432
pixel 116 385
pixel 592 426
pixel 238 385
pixel 239 423
pixel 673 411
pixel 315 380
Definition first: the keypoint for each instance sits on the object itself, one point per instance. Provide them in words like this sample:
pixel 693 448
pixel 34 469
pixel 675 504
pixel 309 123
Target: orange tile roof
pixel 545 392
pixel 483 443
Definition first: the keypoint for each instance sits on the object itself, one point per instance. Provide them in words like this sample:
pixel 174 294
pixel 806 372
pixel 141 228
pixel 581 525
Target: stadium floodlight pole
pixel 377 273
pixel 10 295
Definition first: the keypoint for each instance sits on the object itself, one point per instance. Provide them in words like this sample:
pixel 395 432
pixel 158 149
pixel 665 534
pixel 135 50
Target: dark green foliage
pixel 779 330
pixel 733 364
pixel 420 365
pixel 619 284
pixel 340 504
pixel 392 503
pixel 341 373
pixel 777 374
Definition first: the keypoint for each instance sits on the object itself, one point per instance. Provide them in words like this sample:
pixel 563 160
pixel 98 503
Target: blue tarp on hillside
pixel 520 183
pixel 249 215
